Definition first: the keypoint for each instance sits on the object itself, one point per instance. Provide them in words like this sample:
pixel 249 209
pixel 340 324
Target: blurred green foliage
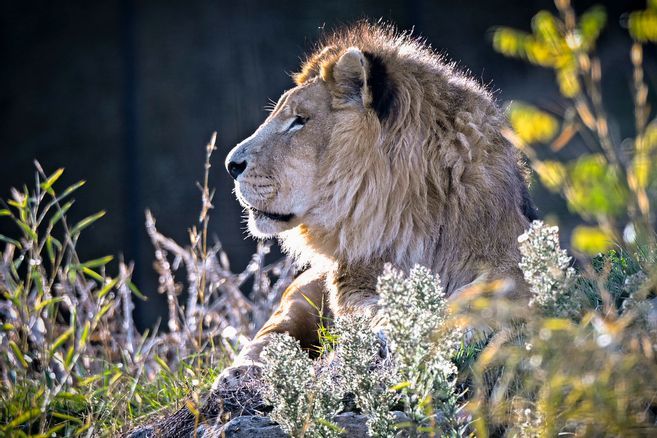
pixel 613 187
pixel 643 24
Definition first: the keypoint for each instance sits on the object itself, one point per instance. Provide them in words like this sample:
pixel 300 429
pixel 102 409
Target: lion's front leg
pixel 352 290
pixel 296 315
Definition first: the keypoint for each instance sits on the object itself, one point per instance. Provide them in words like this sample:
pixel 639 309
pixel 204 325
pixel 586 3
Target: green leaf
pixel 332 426
pixel 60 213
pixel 69 357
pixel 71 189
pixel 24 418
pixel 103 311
pixel 595 188
pixel 102 261
pixel 93 274
pixel 108 287
pixel 18 354
pixel 53 430
pixel 136 291
pixel 16 204
pixel 29 232
pixel 48 302
pixel 84 223
pixel 85 334
pixel 11 241
pixel 83 428
pixel 117 375
pixel 162 363
pixel 67 417
pixel 88 380
pixel 47 184
pixel 591 24
pixel 61 340
pixel 50 250
pixel 5 212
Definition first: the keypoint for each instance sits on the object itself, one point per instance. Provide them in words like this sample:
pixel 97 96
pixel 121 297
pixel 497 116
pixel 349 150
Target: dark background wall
pixel 126 95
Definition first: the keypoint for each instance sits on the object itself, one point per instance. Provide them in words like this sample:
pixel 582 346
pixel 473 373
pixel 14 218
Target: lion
pixel 382 152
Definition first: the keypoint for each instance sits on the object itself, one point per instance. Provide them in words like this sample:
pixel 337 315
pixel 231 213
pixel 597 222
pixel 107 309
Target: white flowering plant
pixel 423 341
pixel 301 394
pixel 414 373
pixel 546 269
pixel 580 358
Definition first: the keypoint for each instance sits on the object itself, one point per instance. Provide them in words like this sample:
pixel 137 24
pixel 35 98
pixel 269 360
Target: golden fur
pixel 383 152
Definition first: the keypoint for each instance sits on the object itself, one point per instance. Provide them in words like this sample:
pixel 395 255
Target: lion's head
pixel 381 150
pixel 276 168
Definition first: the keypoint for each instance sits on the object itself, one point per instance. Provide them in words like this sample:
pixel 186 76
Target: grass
pixel 579 361
pixel 72 362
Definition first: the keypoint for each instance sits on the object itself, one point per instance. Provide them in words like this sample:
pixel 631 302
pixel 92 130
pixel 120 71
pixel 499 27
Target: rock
pixel 355 425
pixel 248 426
pixel 142 432
pixel 252 426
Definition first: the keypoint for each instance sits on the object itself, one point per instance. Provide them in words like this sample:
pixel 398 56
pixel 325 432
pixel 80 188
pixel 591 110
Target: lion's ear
pixel 361 78
pixel 349 82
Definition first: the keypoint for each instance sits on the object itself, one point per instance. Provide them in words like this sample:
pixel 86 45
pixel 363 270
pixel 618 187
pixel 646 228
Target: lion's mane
pixel 424 176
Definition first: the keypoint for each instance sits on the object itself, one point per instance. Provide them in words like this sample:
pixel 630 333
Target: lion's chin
pixel 265 225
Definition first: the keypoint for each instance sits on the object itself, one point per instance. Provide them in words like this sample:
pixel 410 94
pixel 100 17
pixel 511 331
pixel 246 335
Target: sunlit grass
pixel 71 361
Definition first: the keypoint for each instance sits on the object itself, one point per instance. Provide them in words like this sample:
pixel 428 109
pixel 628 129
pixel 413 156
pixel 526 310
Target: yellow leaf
pixel 531 124
pixel 508 42
pixel 552 174
pixel 539 53
pixel 590 240
pixel 568 81
pixel 557 324
pixel 643 25
pixel 545 27
pixel 641 166
pixel 400 385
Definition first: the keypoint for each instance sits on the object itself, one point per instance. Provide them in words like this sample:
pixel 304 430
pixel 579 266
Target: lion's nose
pixel 235 169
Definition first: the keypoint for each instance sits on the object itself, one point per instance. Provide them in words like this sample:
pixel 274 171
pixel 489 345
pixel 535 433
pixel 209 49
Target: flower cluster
pixel 363 373
pixel 415 329
pixel 416 313
pixel 302 396
pixel 546 268
pixel 420 335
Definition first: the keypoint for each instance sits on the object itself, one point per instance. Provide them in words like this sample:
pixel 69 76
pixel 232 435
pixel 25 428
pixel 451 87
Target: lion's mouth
pixel 273 216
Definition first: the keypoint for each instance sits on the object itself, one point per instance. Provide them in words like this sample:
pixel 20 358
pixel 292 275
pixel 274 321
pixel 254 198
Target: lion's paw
pixel 239 376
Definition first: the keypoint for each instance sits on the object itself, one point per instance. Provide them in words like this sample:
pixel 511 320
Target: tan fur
pixel 434 183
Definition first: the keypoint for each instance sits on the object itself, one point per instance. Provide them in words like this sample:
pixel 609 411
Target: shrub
pixel 417 375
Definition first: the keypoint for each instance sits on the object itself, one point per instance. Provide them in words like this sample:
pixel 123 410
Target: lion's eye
pixel 297 123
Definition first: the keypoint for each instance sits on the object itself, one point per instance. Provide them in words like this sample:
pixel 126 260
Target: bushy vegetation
pixel 577 358
pixel 71 361
pixel 612 186
pixel 405 366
